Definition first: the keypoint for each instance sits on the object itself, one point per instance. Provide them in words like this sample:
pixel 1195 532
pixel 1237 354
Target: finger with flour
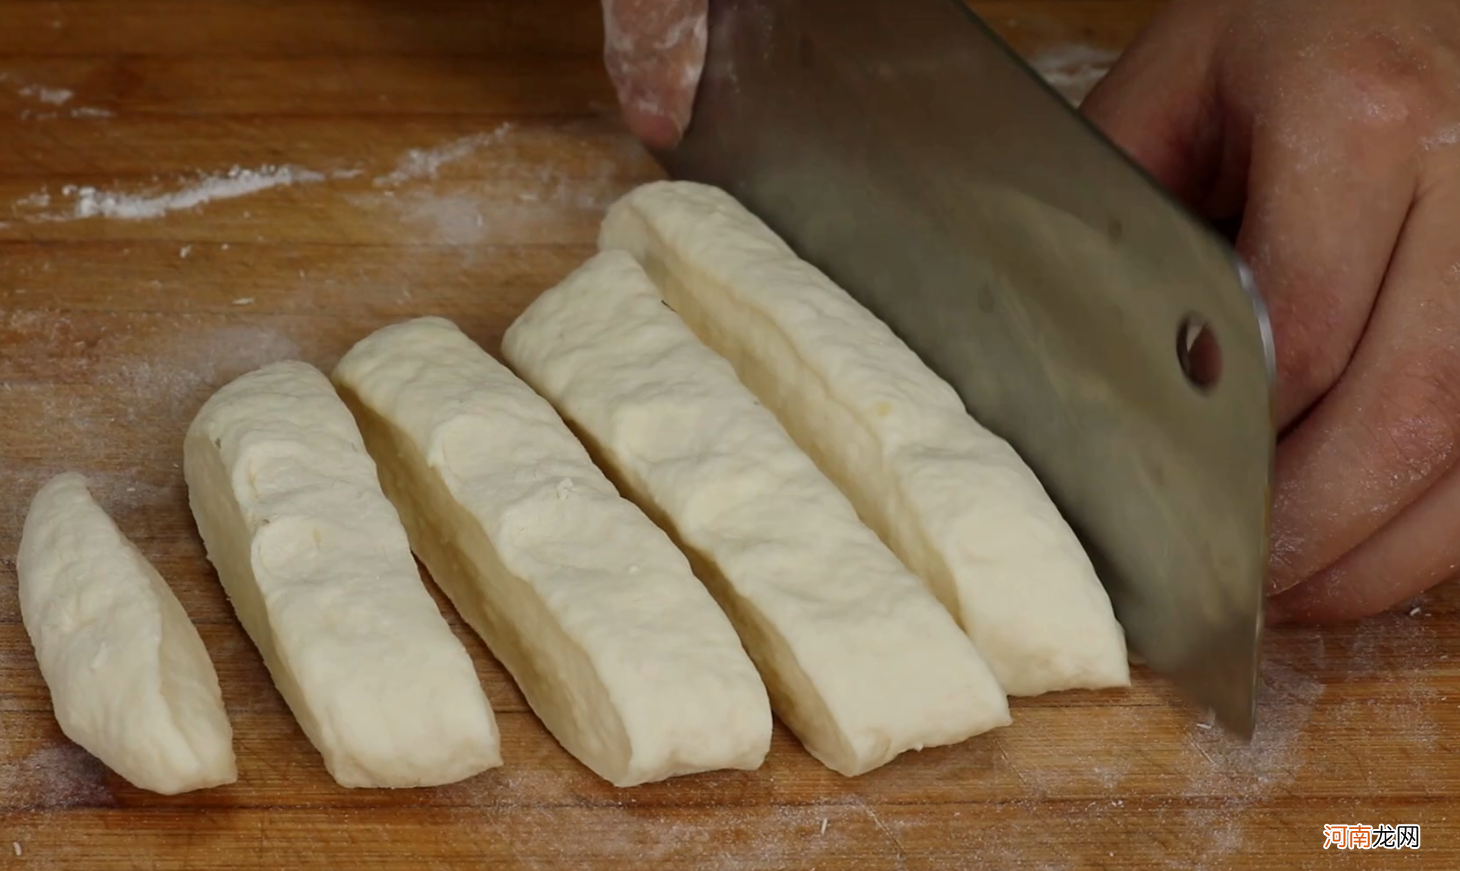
pixel 1326 202
pixel 655 51
pixel 1392 426
pixel 1311 151
pixel 1412 554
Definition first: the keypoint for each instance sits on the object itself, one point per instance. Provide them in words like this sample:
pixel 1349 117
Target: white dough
pixel 861 660
pixel 619 650
pixel 955 501
pixel 129 677
pixel 319 570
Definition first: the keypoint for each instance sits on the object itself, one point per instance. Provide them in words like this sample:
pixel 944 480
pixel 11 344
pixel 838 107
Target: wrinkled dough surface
pixel 318 568
pixel 861 661
pixel 953 500
pixel 130 679
pixel 618 649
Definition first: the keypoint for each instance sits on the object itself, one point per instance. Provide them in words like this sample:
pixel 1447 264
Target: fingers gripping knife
pixel 1113 339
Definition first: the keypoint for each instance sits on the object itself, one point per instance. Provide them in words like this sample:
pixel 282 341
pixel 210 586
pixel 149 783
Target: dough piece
pixel 861 660
pixel 129 677
pixel 953 500
pixel 619 650
pixel 318 567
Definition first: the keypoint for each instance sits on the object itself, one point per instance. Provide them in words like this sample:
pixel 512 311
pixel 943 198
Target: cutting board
pixel 192 188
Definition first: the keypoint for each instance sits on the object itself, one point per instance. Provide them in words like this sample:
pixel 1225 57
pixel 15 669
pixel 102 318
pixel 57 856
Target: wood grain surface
pixel 453 157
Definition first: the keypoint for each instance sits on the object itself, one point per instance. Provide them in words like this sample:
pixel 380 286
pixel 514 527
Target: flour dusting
pixel 49 96
pixel 38 200
pixel 449 219
pixel 508 202
pixel 58 775
pixel 85 201
pixel 1073 70
pixel 236 182
pixel 160 390
pixel 1224 766
pixel 1395 651
pixel 421 163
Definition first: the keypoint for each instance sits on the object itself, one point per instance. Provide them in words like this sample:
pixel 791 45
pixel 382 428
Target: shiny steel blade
pixel 911 155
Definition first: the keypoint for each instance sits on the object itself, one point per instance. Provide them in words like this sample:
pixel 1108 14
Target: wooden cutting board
pixel 192 188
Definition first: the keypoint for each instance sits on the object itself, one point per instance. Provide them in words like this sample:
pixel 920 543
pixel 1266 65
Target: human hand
pixel 655 51
pixel 1332 127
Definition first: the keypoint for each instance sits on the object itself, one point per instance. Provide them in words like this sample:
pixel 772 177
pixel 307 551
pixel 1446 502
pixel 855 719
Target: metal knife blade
pixel 1078 310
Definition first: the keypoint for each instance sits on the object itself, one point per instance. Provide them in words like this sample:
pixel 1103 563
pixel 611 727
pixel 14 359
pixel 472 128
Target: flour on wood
pixel 43 94
pixel 423 163
pixel 88 201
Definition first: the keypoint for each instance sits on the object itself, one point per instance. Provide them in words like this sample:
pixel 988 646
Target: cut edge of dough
pixel 797 700
pixel 407 457
pixel 203 462
pixel 453 573
pixel 206 474
pixel 793 697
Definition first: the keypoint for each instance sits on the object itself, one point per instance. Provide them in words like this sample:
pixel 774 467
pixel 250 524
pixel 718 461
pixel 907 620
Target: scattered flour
pixel 236 182
pixel 57 775
pixel 1223 767
pixel 500 201
pixel 473 212
pixel 449 219
pixel 421 163
pixel 86 201
pixel 1073 70
pixel 49 96
pixel 91 112
pixel 146 370
pixel 38 200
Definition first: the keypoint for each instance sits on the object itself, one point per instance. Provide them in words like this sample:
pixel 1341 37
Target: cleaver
pixel 1110 336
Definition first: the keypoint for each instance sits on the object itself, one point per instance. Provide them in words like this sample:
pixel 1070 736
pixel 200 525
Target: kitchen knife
pixel 1079 311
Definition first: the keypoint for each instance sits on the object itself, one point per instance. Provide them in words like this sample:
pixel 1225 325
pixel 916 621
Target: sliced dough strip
pixel 129 677
pixel 319 570
pixel 618 649
pixel 861 660
pixel 952 499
